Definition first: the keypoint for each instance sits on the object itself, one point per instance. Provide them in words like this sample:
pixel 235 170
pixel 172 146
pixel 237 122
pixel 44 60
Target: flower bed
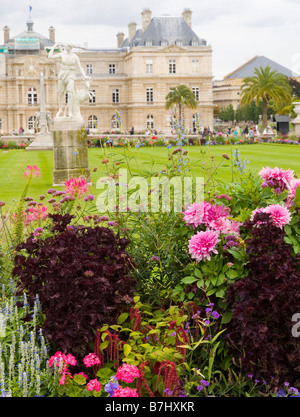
pixel 194 302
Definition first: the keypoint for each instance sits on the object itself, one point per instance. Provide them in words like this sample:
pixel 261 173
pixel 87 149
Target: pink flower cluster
pixel 125 392
pixel 76 187
pixel 35 213
pixel 93 385
pixel 280 214
pixel 215 219
pixel 66 360
pixel 91 359
pixel 276 178
pixel 204 213
pixel 127 373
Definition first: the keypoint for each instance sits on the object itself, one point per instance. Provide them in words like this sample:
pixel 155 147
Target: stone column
pixel 70 151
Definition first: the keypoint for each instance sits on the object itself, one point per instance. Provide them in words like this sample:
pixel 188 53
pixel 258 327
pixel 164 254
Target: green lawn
pixel 154 159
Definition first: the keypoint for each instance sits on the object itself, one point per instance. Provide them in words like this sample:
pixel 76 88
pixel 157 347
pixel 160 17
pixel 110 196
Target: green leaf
pixel 220 293
pixel 127 349
pixel 104 345
pixel 189 280
pixel 122 318
pixel 226 317
pixel 297 197
pixel 79 379
pixel 231 273
pixel 198 273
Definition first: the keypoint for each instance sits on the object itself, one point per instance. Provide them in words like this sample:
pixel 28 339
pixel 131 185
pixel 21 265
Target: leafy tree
pixel 266 85
pixel 181 96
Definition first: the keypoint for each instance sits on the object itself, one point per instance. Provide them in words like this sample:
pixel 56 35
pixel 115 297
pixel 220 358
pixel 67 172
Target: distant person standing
pixel 251 134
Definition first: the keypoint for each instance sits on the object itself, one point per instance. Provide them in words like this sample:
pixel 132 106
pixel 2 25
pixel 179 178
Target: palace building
pixel 132 78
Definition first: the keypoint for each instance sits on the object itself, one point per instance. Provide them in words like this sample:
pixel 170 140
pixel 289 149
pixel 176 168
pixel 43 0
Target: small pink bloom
pixel 32 170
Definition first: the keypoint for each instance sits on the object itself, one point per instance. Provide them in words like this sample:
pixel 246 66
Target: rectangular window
pixel 195 91
pixel 112 68
pixel 89 69
pixel 149 67
pixel 172 66
pixel 115 95
pixel 149 95
pixel 92 98
pixel 195 66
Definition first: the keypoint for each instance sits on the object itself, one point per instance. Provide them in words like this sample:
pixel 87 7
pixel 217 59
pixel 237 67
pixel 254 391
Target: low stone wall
pixel 17 139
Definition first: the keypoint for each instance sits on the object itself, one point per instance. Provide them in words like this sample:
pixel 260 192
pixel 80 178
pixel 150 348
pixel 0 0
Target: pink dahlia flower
pixel 280 214
pixel 125 392
pixel 203 245
pixel 292 188
pixel 204 213
pixel 276 177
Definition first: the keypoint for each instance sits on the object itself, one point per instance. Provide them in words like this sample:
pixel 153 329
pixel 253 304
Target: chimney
pixel 52 34
pixel 146 19
pixel 187 16
pixel 131 31
pixel 6 34
pixel 120 37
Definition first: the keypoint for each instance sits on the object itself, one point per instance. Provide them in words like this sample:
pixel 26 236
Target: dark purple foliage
pixel 82 277
pixel 263 304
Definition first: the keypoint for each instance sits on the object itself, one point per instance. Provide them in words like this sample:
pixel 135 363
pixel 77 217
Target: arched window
pixel 92 122
pixel 32 95
pixel 31 122
pixel 150 121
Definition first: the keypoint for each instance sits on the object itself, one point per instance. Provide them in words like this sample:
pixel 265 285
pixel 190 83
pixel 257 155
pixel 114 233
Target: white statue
pixel 80 96
pixel 66 76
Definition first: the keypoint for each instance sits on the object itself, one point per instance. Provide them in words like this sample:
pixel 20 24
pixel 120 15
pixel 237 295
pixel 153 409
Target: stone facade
pixel 134 78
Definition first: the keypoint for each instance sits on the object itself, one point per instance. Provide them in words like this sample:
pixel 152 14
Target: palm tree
pixel 181 96
pixel 266 85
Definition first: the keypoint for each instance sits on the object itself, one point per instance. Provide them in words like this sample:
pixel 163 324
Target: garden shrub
pixel 82 277
pixel 263 304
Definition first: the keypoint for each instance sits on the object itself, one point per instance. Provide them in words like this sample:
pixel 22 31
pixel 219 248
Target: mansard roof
pixel 164 31
pixel 247 69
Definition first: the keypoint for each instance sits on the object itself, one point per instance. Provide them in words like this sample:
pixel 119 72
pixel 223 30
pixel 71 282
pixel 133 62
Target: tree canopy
pixel 266 85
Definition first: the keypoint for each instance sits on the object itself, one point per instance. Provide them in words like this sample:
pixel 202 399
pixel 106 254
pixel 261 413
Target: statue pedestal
pixel 42 141
pixel 70 151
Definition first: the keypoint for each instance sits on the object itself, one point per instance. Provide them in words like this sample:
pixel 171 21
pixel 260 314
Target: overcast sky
pixel 237 30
